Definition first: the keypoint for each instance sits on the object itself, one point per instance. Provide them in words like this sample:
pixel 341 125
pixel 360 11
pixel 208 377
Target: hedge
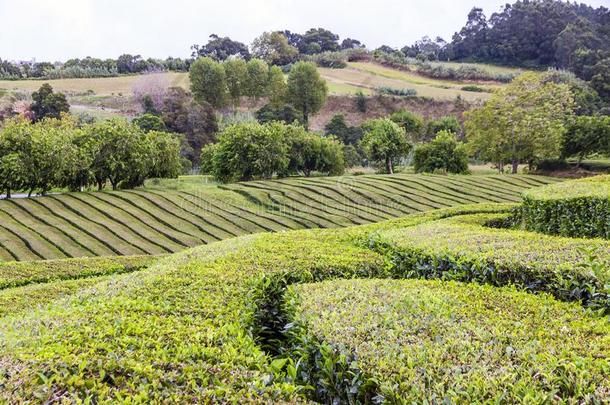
pixel 414 341
pixel 579 208
pixel 463 248
pixel 16 274
pixel 207 325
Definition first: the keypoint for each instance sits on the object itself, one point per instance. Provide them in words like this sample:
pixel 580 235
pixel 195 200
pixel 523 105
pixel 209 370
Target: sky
pixel 56 30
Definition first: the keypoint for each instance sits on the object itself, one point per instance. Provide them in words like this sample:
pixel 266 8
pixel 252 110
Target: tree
pixel 277 87
pixel 337 127
pixel 412 123
pixel 246 151
pixel 307 91
pixel 236 73
pixel 286 113
pixel 273 48
pixel 221 49
pixel 448 123
pixel 197 121
pixel 257 78
pixel 48 104
pixel 208 82
pixel 165 155
pixel 150 122
pixel 349 43
pixel 600 79
pixel 443 154
pixel 524 122
pixel 312 153
pixel 317 40
pixel 587 135
pixel 384 141
pixel 123 155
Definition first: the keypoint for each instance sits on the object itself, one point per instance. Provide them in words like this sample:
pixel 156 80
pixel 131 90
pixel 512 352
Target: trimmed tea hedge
pixel 415 341
pixel 579 208
pixel 207 325
pixel 464 249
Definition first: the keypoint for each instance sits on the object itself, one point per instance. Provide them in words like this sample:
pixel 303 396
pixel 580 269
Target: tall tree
pixel 384 142
pixel 208 82
pixel 307 90
pixel 257 78
pixel 274 48
pixel 221 48
pixel 236 74
pixel 521 123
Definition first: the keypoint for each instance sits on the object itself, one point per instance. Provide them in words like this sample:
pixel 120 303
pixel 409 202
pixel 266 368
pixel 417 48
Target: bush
pixel 397 92
pixel 286 114
pixel 388 341
pixel 579 208
pixel 473 88
pixel 332 60
pixel 361 101
pixel 444 154
pixel 569 269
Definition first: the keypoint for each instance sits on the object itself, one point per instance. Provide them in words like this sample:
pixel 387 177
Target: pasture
pixel 173 215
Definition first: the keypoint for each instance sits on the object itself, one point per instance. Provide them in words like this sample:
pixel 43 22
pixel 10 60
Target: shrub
pixel 569 269
pixel 388 341
pixel 397 92
pixel 444 154
pixel 474 88
pixel 361 101
pixel 333 60
pixel 286 113
pixel 579 208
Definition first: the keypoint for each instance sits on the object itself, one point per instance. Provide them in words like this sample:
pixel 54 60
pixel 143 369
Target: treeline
pixel 58 153
pixel 90 67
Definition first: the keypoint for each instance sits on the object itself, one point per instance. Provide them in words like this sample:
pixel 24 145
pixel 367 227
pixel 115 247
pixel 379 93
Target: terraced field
pixel 159 220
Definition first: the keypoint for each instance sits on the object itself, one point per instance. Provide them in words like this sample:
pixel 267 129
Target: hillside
pixel 174 215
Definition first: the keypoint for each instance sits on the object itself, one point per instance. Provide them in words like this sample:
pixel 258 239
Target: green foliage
pixel 412 123
pixel 257 79
pixel 285 113
pixel 474 88
pixel 365 341
pixel 600 79
pixel 236 76
pixel 277 87
pixel 219 305
pixel 444 154
pixel 338 127
pixel 208 82
pixel 384 141
pixel 586 136
pixel 47 104
pixel 470 251
pixel 448 123
pixel 524 122
pixel 361 101
pixel 273 48
pixel 307 90
pixel 252 150
pixel 397 92
pixel 579 208
pixel 221 48
pixel 150 122
pixel 332 60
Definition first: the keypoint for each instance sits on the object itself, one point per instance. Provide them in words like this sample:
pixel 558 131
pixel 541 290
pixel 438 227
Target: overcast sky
pixel 53 30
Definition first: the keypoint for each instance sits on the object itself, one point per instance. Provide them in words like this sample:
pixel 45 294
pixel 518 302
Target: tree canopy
pixel 307 90
pixel 385 141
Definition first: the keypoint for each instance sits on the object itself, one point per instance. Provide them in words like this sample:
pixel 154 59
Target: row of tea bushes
pixel 403 341
pixel 463 248
pixel 579 208
pixel 207 325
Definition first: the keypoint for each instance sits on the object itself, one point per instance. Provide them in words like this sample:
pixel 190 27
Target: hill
pixel 173 215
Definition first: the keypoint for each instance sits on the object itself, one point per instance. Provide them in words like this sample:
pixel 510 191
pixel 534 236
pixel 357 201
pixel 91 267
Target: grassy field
pixel 168 216
pixel 370 76
pixel 361 76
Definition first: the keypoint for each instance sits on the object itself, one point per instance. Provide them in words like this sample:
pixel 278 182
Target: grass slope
pixel 167 218
pixel 193 326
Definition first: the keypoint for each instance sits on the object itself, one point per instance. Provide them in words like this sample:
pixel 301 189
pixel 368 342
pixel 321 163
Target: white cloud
pixel 60 29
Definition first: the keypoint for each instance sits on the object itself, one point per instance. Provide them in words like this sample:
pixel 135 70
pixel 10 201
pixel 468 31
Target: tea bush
pixel 579 208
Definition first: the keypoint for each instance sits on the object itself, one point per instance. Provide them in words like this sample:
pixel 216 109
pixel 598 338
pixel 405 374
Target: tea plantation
pixel 443 306
pixel 159 220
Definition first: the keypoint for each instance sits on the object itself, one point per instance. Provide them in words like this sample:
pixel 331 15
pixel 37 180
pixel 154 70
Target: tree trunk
pixel 515 165
pixel 8 193
pixel 388 165
pixel 30 192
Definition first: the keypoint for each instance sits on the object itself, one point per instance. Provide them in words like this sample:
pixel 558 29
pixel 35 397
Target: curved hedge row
pixel 405 341
pixel 578 208
pixel 206 325
pixel 464 249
